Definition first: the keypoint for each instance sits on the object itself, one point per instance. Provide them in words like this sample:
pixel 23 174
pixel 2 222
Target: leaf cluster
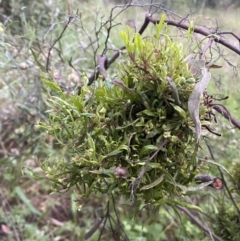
pixel 131 135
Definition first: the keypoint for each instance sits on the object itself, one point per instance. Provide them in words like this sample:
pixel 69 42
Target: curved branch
pixel 201 30
pixel 224 112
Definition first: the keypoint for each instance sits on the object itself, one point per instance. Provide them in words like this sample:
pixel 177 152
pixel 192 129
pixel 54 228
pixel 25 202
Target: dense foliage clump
pixel 131 134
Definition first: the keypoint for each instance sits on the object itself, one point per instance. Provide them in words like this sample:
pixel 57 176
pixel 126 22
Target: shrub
pixel 130 135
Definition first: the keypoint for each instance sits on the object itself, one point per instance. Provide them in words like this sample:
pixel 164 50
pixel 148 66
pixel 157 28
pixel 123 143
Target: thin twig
pixel 207 46
pixel 225 113
pixel 198 224
pixel 105 221
pixel 225 184
pixel 95 75
pixel 70 19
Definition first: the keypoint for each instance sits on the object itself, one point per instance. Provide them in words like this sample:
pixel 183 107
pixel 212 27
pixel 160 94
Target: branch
pixel 70 19
pixel 95 75
pixel 201 30
pixel 224 112
pixel 198 224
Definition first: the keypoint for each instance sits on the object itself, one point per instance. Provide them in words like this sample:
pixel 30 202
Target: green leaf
pixel 175 94
pixel 153 184
pixel 26 201
pixel 118 150
pixel 148 112
pixel 180 111
pixel 91 142
pixel 147 149
pixel 76 102
pixel 39 64
pixel 32 173
pixel 124 37
pixel 52 85
pixel 186 205
pixel 139 42
pixel 196 188
pixel 159 26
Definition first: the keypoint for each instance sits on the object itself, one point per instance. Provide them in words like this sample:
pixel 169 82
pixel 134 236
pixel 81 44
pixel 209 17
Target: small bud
pixel 121 172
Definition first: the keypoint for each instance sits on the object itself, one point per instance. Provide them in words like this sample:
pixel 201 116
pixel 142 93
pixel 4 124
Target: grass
pixel 29 210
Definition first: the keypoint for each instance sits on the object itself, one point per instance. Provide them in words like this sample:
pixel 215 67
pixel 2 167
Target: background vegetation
pixel 29 208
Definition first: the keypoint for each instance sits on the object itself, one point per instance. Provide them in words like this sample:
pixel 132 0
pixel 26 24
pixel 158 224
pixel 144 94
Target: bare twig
pixel 224 112
pixel 207 46
pixel 231 33
pixel 95 75
pixel 70 20
pixel 119 224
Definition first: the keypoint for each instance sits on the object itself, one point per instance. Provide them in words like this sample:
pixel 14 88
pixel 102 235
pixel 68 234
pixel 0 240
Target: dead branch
pixel 201 30
pixel 224 112
pixel 70 19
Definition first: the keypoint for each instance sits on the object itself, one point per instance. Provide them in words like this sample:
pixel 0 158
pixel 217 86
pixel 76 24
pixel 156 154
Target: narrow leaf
pixel 124 87
pixel 179 110
pixel 118 150
pixel 175 94
pixel 52 85
pixel 196 188
pixel 26 201
pixel 195 98
pixel 187 205
pixel 148 148
pixel 217 164
pixel 39 64
pixel 153 184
